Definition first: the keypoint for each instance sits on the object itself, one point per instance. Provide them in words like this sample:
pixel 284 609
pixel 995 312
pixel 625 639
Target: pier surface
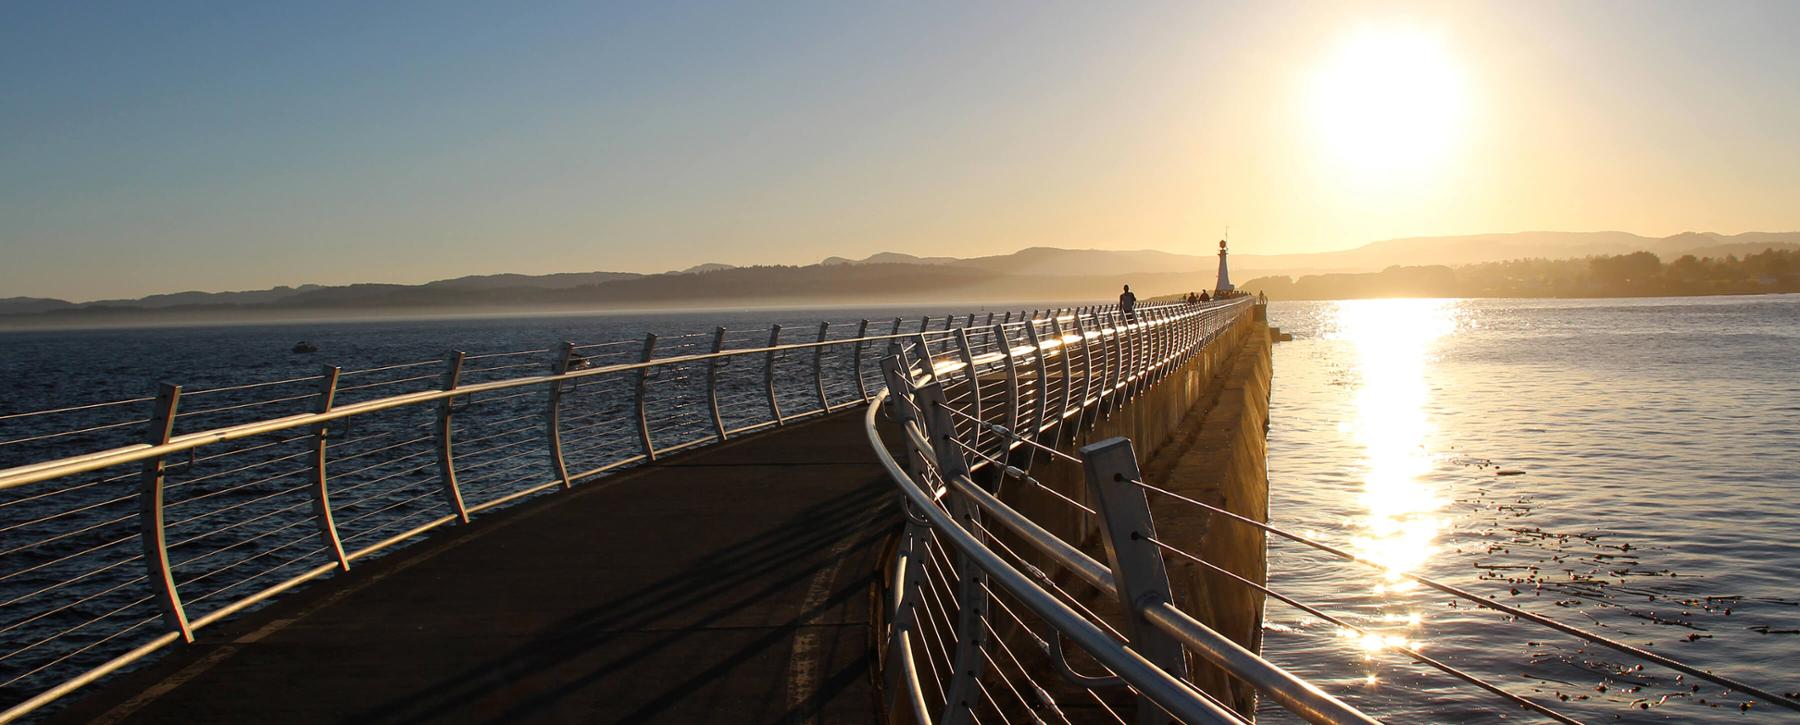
pixel 728 584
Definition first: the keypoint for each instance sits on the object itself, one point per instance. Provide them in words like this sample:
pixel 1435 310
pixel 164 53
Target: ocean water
pixel 1627 466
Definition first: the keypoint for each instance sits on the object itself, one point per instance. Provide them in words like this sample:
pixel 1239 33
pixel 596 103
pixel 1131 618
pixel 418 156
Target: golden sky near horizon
pixel 407 143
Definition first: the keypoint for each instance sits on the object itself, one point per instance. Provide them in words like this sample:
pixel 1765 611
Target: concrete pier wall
pixel 1201 432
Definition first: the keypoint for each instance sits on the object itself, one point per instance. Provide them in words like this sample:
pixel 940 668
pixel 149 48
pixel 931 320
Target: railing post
pixel 1114 349
pixel 453 365
pixel 1035 427
pixel 321 499
pixel 1064 352
pixel 925 356
pixel 1041 409
pixel 819 367
pixel 1158 343
pixel 971 637
pixel 1159 353
pixel 1142 338
pixel 640 402
pixel 1137 564
pixel 949 321
pixel 1133 365
pixel 712 384
pixel 968 357
pixel 150 513
pixel 561 356
pixel 1087 379
pixel 1012 385
pixel 769 376
pixel 862 334
pixel 1187 333
pixel 910 552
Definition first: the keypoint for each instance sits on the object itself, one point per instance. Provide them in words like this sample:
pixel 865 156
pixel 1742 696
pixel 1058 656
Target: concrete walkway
pixel 729 584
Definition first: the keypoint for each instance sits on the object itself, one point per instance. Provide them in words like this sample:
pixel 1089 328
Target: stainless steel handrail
pixel 1138 351
pixel 325 426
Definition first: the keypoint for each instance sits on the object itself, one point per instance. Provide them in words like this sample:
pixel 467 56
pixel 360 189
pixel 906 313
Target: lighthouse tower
pixel 1224 272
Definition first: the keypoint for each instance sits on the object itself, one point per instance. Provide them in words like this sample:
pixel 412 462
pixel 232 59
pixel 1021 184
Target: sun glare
pixel 1389 100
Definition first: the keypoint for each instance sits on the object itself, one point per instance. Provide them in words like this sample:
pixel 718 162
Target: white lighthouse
pixel 1224 272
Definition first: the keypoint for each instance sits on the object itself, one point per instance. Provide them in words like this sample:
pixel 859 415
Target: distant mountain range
pixel 1036 273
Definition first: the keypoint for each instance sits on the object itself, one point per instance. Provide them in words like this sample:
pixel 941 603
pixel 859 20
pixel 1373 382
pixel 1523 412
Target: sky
pixel 169 146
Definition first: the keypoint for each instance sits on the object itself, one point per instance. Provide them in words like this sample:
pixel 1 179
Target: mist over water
pixel 1627 466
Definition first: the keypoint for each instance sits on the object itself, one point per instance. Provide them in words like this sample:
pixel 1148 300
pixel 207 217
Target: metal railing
pixel 981 596
pixel 126 526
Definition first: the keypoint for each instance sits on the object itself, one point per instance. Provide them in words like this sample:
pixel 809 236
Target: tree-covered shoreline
pixel 1639 274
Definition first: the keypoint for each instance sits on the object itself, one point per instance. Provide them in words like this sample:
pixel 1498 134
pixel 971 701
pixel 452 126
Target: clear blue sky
pixel 157 147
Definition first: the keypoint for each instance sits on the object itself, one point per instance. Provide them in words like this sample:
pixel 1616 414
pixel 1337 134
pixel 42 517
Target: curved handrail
pixel 936 444
pixel 365 462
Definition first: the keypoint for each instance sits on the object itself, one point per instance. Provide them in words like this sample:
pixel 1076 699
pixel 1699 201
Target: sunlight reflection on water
pixel 1623 465
pixel 1400 516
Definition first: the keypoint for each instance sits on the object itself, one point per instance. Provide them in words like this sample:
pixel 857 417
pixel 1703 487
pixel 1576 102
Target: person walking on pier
pixel 1128 303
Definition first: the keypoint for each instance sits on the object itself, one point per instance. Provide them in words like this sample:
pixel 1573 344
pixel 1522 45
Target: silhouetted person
pixel 1204 297
pixel 1128 303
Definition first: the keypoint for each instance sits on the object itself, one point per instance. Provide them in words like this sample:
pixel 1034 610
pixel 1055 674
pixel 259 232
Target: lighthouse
pixel 1224 272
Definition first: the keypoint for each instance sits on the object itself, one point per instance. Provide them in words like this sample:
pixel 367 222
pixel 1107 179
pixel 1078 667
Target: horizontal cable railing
pixel 127 525
pixel 976 581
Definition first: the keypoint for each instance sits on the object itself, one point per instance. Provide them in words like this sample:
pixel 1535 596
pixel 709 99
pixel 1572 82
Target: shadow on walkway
pixel 731 584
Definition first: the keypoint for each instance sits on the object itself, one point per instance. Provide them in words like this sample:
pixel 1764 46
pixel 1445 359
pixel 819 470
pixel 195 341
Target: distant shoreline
pixel 155 319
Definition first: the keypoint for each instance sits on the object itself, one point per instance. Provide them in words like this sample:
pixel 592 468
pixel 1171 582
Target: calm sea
pixel 1627 466
pixel 1650 452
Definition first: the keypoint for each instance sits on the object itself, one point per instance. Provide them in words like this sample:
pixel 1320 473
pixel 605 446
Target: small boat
pixel 304 346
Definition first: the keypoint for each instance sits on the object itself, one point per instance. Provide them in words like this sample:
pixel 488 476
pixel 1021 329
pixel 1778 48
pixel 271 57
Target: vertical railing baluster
pixel 856 364
pixel 640 400
pixel 968 358
pixel 910 550
pixel 1147 366
pixel 1064 352
pixel 1124 368
pixel 819 367
pixel 321 494
pixel 971 587
pixel 925 356
pixel 897 346
pixel 769 376
pixel 1012 385
pixel 1134 327
pixel 150 513
pixel 1041 409
pixel 1114 348
pixel 1039 420
pixel 1087 380
pixel 712 384
pixel 1137 340
pixel 445 432
pixel 1137 564
pixel 1160 351
pixel 562 355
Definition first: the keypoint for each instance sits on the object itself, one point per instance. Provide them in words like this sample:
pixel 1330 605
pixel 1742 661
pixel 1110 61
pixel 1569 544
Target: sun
pixel 1389 101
